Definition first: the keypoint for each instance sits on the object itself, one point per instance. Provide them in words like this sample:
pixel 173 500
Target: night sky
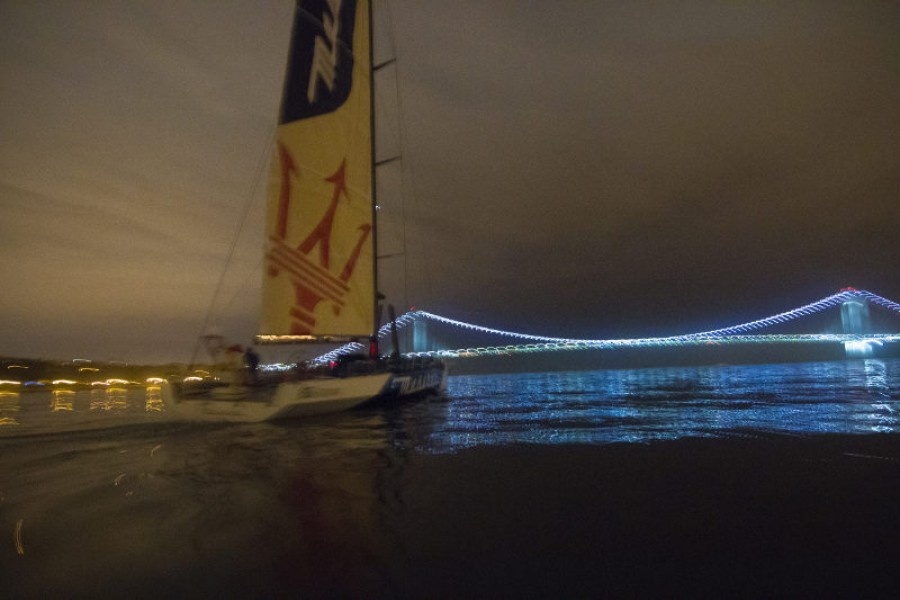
pixel 590 169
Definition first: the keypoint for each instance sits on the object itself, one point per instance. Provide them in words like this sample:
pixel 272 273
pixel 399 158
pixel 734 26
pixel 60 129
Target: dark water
pixel 503 487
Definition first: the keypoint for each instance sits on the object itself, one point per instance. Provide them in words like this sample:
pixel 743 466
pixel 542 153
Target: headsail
pixel 319 279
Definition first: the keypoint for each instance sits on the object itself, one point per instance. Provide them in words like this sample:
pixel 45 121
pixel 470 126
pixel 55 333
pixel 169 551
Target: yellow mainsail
pixel 319 279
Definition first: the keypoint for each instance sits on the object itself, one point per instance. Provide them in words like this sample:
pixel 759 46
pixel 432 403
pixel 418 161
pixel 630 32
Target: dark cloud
pixel 596 169
pixel 633 153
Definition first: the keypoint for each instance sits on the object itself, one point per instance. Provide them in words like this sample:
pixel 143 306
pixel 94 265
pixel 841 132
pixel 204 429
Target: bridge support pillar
pixel 855 320
pixel 420 335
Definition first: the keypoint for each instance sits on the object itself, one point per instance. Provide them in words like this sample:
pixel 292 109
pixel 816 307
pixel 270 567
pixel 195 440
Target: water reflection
pixel 9 408
pixel 70 407
pixel 62 400
pixel 856 396
pixel 154 400
pixel 879 391
pixel 859 396
pixel 111 398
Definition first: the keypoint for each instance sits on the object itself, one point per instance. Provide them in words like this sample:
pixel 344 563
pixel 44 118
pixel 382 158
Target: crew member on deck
pixel 251 361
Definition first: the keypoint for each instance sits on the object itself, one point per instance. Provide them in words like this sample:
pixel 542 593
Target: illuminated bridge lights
pixel 743 333
pixel 853 340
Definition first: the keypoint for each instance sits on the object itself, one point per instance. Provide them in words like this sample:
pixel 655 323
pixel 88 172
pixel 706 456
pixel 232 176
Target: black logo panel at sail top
pixel 320 63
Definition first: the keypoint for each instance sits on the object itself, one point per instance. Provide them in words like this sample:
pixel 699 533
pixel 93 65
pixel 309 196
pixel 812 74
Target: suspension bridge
pixel 855 334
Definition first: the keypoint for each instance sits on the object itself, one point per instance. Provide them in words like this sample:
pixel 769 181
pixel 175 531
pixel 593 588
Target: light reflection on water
pixel 596 407
pixel 9 408
pixel 859 396
pixel 64 410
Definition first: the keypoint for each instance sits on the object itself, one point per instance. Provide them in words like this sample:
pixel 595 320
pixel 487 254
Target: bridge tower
pixel 855 320
pixel 420 335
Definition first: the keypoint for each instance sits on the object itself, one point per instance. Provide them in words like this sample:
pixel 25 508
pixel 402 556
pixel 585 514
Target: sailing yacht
pixel 320 275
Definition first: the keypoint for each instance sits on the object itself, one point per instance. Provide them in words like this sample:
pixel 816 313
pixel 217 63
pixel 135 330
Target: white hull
pixel 305 398
pixel 231 392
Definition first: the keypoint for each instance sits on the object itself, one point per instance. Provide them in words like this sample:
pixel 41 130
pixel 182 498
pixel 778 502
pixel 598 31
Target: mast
pixel 378 309
pixel 375 312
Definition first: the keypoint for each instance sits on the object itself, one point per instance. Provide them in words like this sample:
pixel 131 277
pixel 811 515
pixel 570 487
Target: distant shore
pixel 83 371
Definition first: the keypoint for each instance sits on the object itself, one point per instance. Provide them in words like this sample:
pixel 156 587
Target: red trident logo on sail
pixel 313 280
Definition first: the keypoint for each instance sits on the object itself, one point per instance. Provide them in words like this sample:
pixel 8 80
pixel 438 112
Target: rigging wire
pixel 387 30
pixel 410 190
pixel 248 204
pixel 255 271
